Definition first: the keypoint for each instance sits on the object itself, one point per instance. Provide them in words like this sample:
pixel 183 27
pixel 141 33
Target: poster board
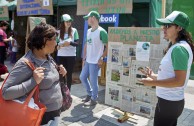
pixel 31 24
pixel 130 35
pixel 4 13
pixel 34 7
pixel 104 6
pixel 123 88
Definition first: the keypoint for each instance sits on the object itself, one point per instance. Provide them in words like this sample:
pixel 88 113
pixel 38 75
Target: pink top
pixel 4 37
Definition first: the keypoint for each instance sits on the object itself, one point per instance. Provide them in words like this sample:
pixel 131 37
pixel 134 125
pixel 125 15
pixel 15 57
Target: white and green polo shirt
pixel 178 57
pixel 95 44
pixel 69 50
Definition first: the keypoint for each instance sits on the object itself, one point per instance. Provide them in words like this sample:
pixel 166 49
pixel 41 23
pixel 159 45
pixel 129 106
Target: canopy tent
pixel 3 3
pixel 11 5
pixel 155 7
pixel 64 2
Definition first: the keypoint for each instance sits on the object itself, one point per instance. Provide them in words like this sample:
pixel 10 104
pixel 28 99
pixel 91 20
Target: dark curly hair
pixel 39 35
pixel 3 23
pixel 183 35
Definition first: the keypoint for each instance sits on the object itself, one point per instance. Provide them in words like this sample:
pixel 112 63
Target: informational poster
pixel 126 60
pixel 104 6
pixel 45 3
pixel 143 51
pixel 130 35
pixel 4 14
pixel 113 95
pixel 34 7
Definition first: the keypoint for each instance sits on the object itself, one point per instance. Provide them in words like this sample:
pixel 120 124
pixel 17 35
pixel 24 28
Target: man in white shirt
pixel 95 50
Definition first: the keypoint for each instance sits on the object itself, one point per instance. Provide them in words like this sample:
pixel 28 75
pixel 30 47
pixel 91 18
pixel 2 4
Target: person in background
pixel 174 70
pixel 41 42
pixel 93 55
pixel 9 49
pixel 68 41
pixel 15 46
pixel 3 40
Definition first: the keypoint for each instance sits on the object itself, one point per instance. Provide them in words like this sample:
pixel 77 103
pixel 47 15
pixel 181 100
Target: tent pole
pixel 163 8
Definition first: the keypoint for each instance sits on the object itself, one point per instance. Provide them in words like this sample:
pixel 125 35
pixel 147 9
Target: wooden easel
pixel 124 115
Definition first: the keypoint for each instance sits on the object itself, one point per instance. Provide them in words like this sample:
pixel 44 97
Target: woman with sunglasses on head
pixel 174 70
pixel 22 79
pixel 68 41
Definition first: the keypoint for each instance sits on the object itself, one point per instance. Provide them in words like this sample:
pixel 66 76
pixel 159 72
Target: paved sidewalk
pixel 104 115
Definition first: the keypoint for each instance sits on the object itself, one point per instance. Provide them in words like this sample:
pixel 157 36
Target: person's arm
pixel 84 54
pixel 104 39
pixel 177 81
pixel 180 59
pixel 17 85
pixel 76 39
pixel 149 73
pixel 75 43
pixel 1 38
pixel 85 51
pixel 7 40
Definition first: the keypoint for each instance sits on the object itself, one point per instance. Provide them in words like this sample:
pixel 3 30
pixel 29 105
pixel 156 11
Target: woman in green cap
pixel 68 40
pixel 174 70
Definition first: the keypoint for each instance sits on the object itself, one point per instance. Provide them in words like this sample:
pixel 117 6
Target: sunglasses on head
pixel 169 25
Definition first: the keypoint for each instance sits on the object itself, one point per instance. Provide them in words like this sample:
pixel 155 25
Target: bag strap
pixel 63 80
pixel 29 63
pixel 34 92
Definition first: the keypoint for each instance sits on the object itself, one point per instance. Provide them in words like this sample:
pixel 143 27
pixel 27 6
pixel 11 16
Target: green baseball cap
pixel 66 17
pixel 176 17
pixel 91 14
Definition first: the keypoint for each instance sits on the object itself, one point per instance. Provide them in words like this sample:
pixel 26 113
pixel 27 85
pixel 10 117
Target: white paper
pixel 46 3
pixel 113 95
pixel 136 74
pixel 127 98
pixel 143 109
pixel 143 51
pixel 63 41
pixel 115 52
pixel 31 103
pixel 122 76
pixel 129 50
pixel 114 73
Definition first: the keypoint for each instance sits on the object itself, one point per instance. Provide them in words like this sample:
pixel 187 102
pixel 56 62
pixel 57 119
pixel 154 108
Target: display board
pixel 4 14
pixel 104 6
pixel 125 60
pixel 34 7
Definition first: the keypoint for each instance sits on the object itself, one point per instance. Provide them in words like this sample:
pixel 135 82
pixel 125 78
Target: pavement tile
pixel 75 124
